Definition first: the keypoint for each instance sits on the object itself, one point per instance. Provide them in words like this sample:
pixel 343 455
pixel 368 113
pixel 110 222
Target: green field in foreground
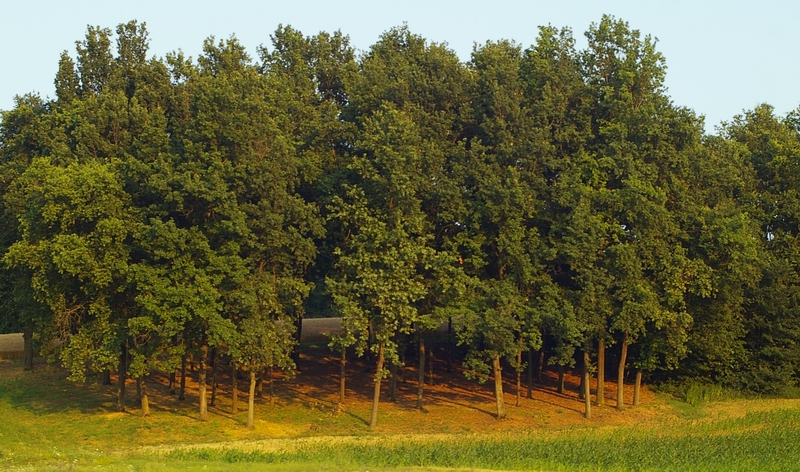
pixel 49 424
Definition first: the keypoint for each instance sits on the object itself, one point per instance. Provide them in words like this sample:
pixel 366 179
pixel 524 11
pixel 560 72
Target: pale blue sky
pixel 723 56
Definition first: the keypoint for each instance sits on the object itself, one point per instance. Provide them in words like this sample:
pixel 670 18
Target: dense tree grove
pixel 542 201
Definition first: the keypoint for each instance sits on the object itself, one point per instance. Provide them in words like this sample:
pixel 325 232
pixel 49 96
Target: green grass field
pixel 48 423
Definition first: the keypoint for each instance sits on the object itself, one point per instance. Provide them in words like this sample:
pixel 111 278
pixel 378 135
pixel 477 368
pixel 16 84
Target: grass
pixel 50 424
pixel 761 441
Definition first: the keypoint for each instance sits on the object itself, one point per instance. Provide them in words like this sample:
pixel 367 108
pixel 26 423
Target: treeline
pixel 539 199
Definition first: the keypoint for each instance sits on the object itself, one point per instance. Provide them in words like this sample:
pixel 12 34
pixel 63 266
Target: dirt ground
pixel 456 403
pixel 451 404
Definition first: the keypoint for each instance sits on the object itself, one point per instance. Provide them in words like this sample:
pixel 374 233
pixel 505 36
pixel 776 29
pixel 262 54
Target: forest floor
pixel 51 423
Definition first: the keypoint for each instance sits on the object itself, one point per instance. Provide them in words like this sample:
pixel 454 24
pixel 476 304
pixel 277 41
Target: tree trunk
pixel 498 387
pixel 449 343
pixel 260 383
pixel 182 394
pixel 560 388
pixel 271 385
pixel 587 392
pixel 144 400
pixel 251 400
pixel 392 383
pixel 530 373
pixel 540 366
pixel 172 380
pixel 376 396
pixel 401 369
pixel 215 361
pixel 122 371
pixel 601 370
pixel 519 377
pixel 27 349
pixel 430 367
pixel 421 371
pixel 235 388
pixel 105 377
pixel 621 372
pixel 581 385
pixel 342 377
pixel 637 387
pixel 202 384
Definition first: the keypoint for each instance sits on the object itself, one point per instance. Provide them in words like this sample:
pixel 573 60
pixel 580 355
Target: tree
pixel 381 262
pixel 765 323
pixel 74 230
pixel 506 182
pixel 429 85
pixel 265 337
pixel 632 257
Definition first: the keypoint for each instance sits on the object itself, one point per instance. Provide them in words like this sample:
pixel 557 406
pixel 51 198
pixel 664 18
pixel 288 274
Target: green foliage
pixel 383 260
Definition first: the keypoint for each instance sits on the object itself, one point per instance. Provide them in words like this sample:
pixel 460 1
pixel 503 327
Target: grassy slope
pixel 48 423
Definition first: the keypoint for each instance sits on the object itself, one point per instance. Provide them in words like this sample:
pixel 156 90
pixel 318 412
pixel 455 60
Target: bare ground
pixel 452 404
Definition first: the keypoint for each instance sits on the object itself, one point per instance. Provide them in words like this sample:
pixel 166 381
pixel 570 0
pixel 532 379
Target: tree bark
pixel 27 349
pixel 342 376
pixel 235 388
pixel 251 400
pixel 376 395
pixel 530 373
pixel 621 372
pixel 560 388
pixel 172 379
pixel 105 377
pixel 637 387
pixel 215 361
pixel 421 372
pixel 182 393
pixel 144 400
pixel 122 371
pixel 519 377
pixel 601 370
pixel 587 392
pixel 498 387
pixel 202 382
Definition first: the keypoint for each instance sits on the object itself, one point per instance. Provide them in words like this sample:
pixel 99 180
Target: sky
pixel 723 57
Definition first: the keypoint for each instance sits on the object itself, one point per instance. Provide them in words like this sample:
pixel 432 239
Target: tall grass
pixel 696 393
